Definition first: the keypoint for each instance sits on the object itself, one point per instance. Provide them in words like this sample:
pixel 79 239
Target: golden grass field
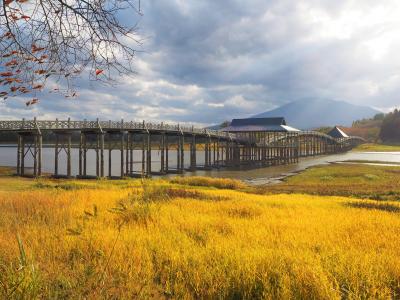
pixel 192 238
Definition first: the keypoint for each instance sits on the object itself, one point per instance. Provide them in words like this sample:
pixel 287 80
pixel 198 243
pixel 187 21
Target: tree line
pixel 390 128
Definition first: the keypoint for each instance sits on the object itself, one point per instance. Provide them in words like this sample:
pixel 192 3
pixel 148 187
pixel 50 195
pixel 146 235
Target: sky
pixel 206 61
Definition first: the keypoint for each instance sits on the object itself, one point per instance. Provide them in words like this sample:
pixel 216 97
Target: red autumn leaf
pixel 14 89
pixel 25 17
pixel 10 80
pixel 11 63
pixel 37 49
pixel 37 87
pixel 6 74
pixel 99 71
pixel 8 2
pixel 8 35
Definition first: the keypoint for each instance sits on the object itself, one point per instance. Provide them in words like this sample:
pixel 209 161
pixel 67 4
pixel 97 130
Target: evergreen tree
pixel 390 130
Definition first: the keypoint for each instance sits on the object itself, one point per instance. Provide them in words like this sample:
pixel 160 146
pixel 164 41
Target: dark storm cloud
pixel 208 61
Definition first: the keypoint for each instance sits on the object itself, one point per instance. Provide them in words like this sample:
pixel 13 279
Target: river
pixel 265 175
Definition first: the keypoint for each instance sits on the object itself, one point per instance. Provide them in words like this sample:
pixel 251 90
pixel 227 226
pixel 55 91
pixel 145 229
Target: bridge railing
pixel 132 125
pixel 109 125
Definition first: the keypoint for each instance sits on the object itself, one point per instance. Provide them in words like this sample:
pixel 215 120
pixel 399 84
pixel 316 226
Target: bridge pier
pixel 115 141
pixel 182 150
pixel 62 144
pixel 34 147
pixel 19 154
pixel 193 153
pixel 162 149
pixel 166 154
pixel 148 154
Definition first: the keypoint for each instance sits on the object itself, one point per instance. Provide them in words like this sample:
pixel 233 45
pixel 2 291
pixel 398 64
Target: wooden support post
pixel 127 151
pixel 182 153
pixel 237 154
pixel 166 153
pixel 162 149
pixel 101 154
pixel 85 155
pixel 131 153
pixel 22 155
pixel 109 155
pixel 206 148
pixel 214 144
pixel 69 142
pixel 148 158
pixel 35 156
pixel 97 154
pixel 227 153
pixel 56 152
pixel 80 154
pixel 19 154
pixel 218 150
pixel 143 155
pixel 40 146
pixel 122 153
pixel 193 153
pixel 178 153
pixel 209 151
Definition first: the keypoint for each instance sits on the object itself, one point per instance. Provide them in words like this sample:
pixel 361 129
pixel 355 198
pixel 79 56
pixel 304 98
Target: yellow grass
pixel 59 239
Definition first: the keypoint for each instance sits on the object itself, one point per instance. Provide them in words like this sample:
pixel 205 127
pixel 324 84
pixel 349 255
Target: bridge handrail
pixel 35 124
pixel 21 125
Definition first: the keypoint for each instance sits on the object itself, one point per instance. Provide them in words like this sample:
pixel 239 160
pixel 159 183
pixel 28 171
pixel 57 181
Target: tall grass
pixel 220 183
pixel 158 239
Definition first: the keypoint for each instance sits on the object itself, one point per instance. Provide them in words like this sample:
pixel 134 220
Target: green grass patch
pixel 353 180
pixel 376 148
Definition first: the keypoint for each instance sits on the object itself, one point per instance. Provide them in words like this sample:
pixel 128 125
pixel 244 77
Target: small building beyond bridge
pixel 253 142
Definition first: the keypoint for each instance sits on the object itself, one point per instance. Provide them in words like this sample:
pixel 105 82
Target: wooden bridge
pixel 220 149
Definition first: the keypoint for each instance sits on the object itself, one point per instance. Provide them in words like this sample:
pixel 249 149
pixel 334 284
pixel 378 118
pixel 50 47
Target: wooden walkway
pixel 220 149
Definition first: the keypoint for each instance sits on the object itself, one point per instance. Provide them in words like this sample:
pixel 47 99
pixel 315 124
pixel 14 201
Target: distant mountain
pixel 313 113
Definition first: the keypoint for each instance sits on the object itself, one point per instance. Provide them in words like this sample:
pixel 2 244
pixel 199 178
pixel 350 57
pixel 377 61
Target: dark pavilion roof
pixel 259 124
pixel 336 132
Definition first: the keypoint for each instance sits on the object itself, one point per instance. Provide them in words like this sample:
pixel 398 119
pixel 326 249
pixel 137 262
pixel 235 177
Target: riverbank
pixel 365 181
pixel 370 147
pixel 196 237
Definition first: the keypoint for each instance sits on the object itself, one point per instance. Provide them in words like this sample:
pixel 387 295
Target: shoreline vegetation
pixel 198 237
pixel 370 147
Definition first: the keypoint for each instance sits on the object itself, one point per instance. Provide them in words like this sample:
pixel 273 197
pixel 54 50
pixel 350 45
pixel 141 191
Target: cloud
pixel 209 61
